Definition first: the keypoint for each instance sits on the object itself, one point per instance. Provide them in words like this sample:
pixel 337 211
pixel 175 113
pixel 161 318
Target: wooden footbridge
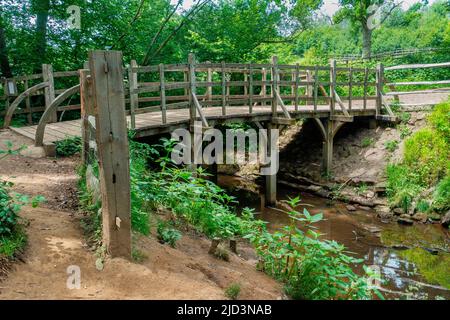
pixel 158 99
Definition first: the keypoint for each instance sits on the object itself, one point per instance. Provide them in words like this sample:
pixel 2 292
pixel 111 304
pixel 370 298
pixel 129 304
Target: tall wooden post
pixel 113 152
pixel 379 88
pixel 134 97
pixel 49 91
pixel 274 85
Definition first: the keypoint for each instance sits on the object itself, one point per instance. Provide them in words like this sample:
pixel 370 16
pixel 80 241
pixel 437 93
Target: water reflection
pixel 360 231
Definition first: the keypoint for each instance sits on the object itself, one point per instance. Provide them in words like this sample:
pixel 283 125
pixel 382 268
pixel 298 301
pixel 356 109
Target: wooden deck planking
pixel 153 120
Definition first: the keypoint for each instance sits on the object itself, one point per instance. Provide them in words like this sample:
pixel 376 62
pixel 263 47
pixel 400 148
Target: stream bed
pixel 414 261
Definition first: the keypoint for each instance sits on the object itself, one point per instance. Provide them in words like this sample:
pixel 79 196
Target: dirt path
pixel 55 242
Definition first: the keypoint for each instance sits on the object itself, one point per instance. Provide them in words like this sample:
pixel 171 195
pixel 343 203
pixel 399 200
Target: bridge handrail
pixel 19 99
pixel 40 131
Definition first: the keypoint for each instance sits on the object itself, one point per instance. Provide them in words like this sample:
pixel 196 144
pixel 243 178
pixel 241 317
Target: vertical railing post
pixel 297 80
pixel 192 88
pixel 28 104
pixel 224 90
pixel 350 88
pixel 112 149
pixel 264 85
pixel 209 86
pixel 316 87
pixel 366 75
pixel 162 84
pixel 274 85
pixel 332 86
pixel 134 97
pixel 379 87
pixel 250 88
pixel 49 91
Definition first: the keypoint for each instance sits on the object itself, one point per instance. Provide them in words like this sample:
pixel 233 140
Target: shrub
pixel 367 142
pixel 311 268
pixel 68 147
pixel 441 196
pixel 232 291
pixel 391 145
pixel 427 154
pixel 168 235
pixel 439 119
pixel 402 186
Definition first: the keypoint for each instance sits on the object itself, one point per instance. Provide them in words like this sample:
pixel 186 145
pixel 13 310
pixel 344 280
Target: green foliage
pixel 405 131
pixel 404 117
pixel 423 206
pixel 362 188
pixel 13 243
pixel 391 145
pixel 425 164
pixel 311 268
pixel 68 147
pixel 441 196
pixel 367 142
pixel 232 291
pixel 167 234
pixel 439 120
pixel 402 186
pixel 427 153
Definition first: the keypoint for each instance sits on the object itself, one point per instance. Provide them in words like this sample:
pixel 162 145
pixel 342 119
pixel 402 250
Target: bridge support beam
pixel 328 128
pixel 271 180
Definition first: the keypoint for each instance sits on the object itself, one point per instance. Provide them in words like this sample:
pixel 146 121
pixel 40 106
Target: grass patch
pixel 14 243
pixel 391 145
pixel 367 142
pixel 232 291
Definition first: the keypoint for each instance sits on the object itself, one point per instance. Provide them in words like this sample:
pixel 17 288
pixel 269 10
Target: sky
pixel 329 7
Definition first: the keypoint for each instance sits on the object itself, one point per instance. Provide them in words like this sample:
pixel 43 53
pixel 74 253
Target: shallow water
pixel 379 244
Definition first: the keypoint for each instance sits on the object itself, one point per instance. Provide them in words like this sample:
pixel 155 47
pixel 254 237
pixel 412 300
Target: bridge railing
pixel 395 89
pixel 21 93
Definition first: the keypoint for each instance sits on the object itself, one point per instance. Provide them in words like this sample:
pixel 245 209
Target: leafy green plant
pixel 423 206
pixel 68 147
pixel 361 189
pixel 311 268
pixel 232 291
pixel 167 234
pixel 405 131
pixel 367 142
pixel 441 196
pixel 404 117
pixel 439 120
pixel 391 145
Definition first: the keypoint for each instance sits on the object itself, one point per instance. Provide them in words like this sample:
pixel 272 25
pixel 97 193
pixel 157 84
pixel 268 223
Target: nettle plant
pixel 11 202
pixel 310 268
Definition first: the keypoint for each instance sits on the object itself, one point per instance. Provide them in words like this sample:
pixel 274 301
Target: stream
pixel 414 261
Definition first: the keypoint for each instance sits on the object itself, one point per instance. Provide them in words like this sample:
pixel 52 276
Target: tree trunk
pixel 367 41
pixel 4 61
pixel 40 8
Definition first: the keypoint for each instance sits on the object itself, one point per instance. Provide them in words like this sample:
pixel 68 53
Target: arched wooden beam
pixel 19 99
pixel 39 137
pixel 321 128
